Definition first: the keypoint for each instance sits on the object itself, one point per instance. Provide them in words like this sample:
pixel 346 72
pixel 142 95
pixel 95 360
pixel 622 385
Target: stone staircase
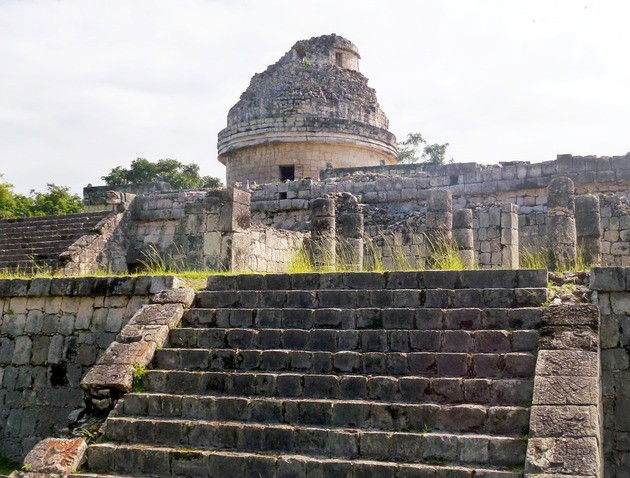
pixel 402 374
pixel 33 243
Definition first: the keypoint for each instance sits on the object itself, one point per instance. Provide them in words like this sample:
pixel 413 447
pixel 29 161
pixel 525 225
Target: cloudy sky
pixel 88 85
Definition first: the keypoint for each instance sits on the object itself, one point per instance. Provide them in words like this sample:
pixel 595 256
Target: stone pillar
pixel 588 228
pixel 497 237
pixel 509 236
pixel 439 218
pixel 463 235
pixel 215 231
pixel 323 232
pixel 561 234
pixel 349 229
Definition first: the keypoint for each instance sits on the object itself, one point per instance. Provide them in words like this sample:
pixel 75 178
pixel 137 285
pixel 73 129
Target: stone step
pixel 523 278
pixel 37 233
pixel 33 251
pixel 426 364
pixel 366 318
pixel 507 392
pixel 365 340
pixel 331 442
pixel 42 265
pixel 53 219
pixel 145 460
pixel 34 242
pixel 22 258
pixel 387 416
pixel 352 299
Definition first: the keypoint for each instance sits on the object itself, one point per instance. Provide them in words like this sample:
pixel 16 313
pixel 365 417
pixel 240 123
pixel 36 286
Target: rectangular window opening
pixel 287 173
pixel 339 59
pixel 454 180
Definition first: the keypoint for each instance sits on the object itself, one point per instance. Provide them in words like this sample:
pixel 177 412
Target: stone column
pixel 323 232
pixel 439 218
pixel 588 228
pixel 509 236
pixel 463 235
pixel 349 232
pixel 561 234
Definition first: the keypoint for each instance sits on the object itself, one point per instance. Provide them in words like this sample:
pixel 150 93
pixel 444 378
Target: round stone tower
pixel 309 111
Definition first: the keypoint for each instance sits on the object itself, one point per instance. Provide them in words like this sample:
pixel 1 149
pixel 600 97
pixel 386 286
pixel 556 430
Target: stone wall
pixel 273 250
pixel 612 296
pixel 398 192
pixel 615 222
pixel 51 332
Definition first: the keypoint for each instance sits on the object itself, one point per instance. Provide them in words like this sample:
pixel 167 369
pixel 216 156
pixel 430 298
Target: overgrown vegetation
pixel 444 256
pixel 415 149
pixel 55 200
pixel 177 174
pixel 540 258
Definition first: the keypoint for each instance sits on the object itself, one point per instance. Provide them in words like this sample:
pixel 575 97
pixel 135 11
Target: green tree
pixel 7 200
pixel 55 200
pixel 415 149
pixel 177 174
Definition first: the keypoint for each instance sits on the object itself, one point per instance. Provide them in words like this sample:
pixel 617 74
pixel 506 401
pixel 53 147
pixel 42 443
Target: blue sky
pixel 86 86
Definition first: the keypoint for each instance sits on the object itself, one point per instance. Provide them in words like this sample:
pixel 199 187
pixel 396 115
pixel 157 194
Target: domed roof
pixel 316 86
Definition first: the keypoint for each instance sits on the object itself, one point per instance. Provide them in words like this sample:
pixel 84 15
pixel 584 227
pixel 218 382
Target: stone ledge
pixel 86 286
pixel 472 279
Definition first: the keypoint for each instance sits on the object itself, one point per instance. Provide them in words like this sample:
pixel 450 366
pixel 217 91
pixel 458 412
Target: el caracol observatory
pixel 309 111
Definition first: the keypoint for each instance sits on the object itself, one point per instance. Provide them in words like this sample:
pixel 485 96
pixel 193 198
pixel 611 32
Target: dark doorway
pixel 287 173
pixel 339 59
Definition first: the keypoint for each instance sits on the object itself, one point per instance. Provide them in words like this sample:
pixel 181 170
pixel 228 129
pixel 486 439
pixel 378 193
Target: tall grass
pixel 541 258
pixel 444 255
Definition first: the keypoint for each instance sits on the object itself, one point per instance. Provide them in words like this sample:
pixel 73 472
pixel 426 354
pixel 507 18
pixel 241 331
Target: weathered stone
pixel 56 455
pixel 572 456
pixel 184 296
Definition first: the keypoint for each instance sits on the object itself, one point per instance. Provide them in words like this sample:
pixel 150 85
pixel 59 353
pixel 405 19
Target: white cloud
pixel 86 86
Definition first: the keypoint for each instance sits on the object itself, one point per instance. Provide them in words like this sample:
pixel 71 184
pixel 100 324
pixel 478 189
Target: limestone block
pixel 573 456
pixel 183 295
pixel 463 219
pixel 132 353
pixel 158 314
pixel 566 390
pixel 118 377
pixel 56 455
pixel 570 337
pixel 572 363
pixel 573 315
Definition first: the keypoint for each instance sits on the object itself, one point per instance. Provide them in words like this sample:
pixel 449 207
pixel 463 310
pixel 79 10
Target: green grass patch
pixel 8 466
pixel 139 373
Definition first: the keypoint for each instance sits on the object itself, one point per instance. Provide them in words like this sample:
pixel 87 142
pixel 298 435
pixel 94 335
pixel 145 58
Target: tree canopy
pixel 55 200
pixel 177 174
pixel 415 149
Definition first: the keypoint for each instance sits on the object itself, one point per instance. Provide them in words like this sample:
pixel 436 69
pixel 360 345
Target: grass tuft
pixel 139 373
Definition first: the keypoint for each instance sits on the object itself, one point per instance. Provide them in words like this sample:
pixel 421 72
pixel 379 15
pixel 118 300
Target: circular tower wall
pixel 311 110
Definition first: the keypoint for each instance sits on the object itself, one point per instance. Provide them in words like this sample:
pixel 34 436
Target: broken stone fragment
pixel 56 455
pixel 184 296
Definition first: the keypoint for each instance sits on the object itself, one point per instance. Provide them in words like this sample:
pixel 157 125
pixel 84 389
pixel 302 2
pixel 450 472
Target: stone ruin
pixel 403 373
